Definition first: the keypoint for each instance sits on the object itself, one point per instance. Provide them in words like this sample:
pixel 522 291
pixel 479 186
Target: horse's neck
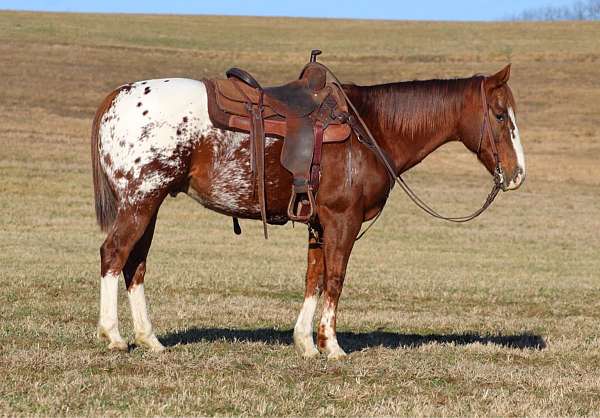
pixel 406 147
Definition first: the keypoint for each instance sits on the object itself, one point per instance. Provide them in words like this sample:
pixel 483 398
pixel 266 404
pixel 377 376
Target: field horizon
pixel 496 317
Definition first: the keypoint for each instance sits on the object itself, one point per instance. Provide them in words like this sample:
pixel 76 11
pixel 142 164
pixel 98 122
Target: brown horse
pixel 155 138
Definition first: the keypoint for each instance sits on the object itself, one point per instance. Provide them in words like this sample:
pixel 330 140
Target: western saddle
pixel 305 112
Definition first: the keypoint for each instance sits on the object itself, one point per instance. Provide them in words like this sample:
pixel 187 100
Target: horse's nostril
pixel 518 174
pixel 517 179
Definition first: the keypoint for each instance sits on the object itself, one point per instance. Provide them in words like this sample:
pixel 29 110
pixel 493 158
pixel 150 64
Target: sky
pixel 357 9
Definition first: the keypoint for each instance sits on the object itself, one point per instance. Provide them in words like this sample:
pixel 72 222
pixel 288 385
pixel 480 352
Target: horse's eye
pixel 500 118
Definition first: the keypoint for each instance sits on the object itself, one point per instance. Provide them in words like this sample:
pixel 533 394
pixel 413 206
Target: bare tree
pixel 579 10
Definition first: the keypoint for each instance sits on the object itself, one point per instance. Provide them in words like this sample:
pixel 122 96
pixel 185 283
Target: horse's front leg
pixel 339 233
pixel 303 338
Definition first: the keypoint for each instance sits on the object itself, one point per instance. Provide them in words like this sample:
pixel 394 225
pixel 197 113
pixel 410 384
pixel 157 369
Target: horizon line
pixel 258 15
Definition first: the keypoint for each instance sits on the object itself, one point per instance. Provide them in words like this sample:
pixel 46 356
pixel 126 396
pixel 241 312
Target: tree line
pixel 579 10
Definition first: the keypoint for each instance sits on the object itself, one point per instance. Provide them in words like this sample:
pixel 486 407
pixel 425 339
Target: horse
pixel 154 138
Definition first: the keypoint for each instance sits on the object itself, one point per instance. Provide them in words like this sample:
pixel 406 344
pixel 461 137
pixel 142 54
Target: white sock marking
pixel 327 321
pixel 109 322
pixel 332 347
pixel 141 321
pixel 304 324
pixel 139 311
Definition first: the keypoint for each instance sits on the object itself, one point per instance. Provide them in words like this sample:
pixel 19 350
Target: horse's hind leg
pixel 134 271
pixel 303 331
pixel 129 226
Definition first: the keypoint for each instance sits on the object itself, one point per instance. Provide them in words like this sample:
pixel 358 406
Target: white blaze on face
pixel 518 147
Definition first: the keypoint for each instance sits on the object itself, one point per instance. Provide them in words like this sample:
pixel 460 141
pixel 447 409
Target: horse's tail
pixel 104 197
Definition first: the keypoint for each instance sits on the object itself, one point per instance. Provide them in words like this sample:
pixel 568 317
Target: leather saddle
pixel 305 112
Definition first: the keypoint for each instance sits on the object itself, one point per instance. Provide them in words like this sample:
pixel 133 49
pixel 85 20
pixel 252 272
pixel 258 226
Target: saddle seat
pixel 295 99
pixel 305 112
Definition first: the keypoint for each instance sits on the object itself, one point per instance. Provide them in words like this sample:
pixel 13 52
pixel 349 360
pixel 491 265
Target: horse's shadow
pixel 352 341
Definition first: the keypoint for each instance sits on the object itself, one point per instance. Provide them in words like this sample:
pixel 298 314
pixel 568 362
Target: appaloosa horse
pixel 154 138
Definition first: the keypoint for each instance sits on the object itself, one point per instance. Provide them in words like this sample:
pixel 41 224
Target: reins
pixel 498 173
pixel 366 137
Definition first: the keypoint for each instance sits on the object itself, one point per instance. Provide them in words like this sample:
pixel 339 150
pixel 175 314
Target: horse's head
pixel 493 105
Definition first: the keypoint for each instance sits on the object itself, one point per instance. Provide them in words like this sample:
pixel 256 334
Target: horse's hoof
pixel 118 346
pixel 338 354
pixel 150 343
pixel 305 346
pixel 309 353
pixel 101 334
pixel 156 348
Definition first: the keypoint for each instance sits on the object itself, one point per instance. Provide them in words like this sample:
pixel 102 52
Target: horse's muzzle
pixel 517 180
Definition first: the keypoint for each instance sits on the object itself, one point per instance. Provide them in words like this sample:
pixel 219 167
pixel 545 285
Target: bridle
pixel 364 136
pixel 486 129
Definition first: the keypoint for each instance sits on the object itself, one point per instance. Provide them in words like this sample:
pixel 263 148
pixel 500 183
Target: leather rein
pixel 486 130
pixel 364 135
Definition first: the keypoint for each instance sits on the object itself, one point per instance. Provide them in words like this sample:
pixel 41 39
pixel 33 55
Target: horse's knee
pixel 333 289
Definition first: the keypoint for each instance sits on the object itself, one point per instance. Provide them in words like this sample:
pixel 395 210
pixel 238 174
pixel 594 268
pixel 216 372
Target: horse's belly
pixel 221 176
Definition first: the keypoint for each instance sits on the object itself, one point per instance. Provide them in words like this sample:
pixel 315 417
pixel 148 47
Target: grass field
pixel 499 316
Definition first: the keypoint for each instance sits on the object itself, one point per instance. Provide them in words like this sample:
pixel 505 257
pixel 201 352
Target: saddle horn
pixel 314 53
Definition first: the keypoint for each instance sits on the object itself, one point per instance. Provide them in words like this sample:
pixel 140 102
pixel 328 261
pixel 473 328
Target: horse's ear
pixel 500 78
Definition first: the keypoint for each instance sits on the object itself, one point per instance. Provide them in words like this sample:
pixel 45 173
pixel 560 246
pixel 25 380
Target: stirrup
pixel 295 211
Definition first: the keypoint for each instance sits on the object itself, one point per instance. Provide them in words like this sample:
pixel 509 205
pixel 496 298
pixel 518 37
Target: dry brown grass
pixel 431 312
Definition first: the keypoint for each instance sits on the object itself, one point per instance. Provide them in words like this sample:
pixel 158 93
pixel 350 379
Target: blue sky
pixel 373 9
